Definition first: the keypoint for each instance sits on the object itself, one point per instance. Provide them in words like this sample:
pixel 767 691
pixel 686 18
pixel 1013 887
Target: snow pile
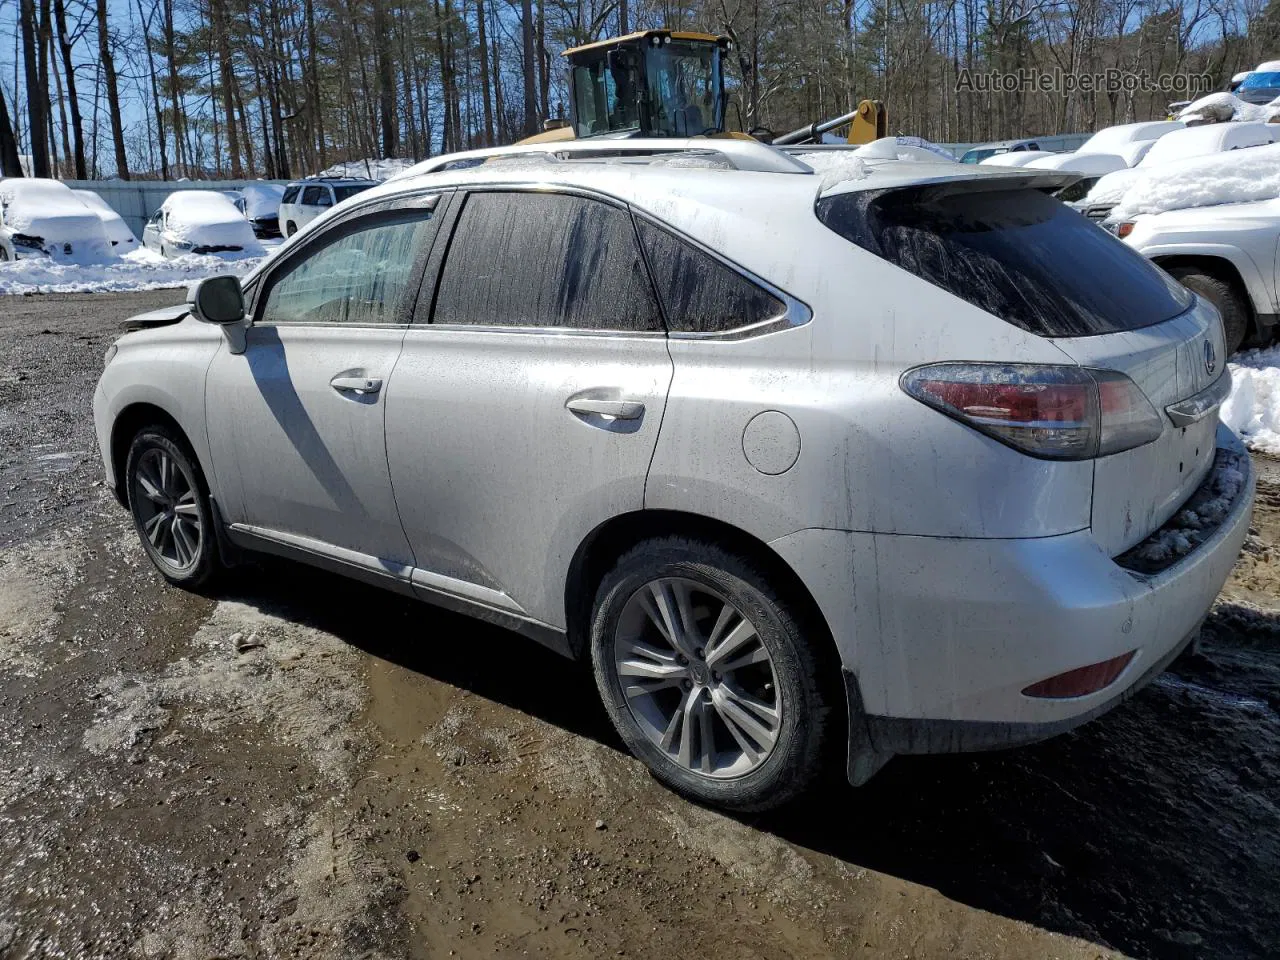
pixel 139 269
pixel 1253 408
pixel 1111 187
pixel 367 169
pixel 1222 107
pixel 1195 522
pixel 834 167
pixel 1238 176
pixel 904 148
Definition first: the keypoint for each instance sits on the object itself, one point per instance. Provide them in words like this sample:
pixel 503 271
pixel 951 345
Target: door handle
pixel 618 409
pixel 358 385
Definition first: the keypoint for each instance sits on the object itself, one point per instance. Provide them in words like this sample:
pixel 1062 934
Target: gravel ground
pixel 300 766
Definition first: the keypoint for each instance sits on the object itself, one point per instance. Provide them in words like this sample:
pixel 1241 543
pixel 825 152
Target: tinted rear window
pixel 345 193
pixel 1015 253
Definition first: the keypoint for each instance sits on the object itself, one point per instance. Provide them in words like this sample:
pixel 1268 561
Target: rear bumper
pixel 939 637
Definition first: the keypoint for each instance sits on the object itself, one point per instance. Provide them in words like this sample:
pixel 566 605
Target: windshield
pixel 685 84
pixel 977 156
pixel 1261 81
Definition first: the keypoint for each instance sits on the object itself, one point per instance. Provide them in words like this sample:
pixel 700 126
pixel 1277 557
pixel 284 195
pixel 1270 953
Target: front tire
pixel 1223 295
pixel 170 506
pixel 708 675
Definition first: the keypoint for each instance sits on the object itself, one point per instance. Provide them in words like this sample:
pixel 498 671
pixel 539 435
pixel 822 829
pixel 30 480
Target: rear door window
pixel 311 196
pixel 545 260
pixel 1016 253
pixel 699 293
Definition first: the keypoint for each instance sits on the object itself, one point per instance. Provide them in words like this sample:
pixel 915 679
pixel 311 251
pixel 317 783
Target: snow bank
pixel 367 169
pixel 1238 176
pixel 139 269
pixel 1253 408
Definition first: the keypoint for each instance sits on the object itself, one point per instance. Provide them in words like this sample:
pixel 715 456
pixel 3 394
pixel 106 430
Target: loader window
pixel 700 294
pixel 545 260
pixel 607 94
pixel 1015 253
pixel 686 88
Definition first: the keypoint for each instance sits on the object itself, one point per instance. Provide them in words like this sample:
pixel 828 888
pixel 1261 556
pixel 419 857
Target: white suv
pixel 805 453
pixel 305 200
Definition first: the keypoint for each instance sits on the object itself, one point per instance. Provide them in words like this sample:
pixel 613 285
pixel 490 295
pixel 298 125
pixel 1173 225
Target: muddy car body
pixel 655 414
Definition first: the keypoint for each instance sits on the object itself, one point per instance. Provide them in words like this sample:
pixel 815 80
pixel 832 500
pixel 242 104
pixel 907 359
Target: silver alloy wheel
pixel 164 501
pixel 697 678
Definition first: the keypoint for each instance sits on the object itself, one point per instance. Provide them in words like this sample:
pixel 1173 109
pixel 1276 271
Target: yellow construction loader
pixel 670 83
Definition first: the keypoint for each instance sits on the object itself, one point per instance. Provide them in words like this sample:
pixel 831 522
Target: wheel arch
pixel 1219 266
pixel 607 542
pixel 125 427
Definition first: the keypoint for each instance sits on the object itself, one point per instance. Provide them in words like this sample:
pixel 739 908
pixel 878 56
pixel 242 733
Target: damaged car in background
pixel 579 399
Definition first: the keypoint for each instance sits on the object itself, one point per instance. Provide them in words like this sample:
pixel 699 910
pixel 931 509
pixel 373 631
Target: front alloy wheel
pixel 169 507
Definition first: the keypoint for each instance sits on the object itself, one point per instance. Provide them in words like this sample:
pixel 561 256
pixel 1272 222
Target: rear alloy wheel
pixel 1223 295
pixel 170 508
pixel 707 675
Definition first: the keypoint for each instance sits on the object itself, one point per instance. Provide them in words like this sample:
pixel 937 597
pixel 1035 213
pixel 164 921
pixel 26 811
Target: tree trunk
pixel 530 73
pixel 484 74
pixel 113 93
pixel 544 64
pixel 155 93
pixel 10 165
pixel 226 79
pixel 36 100
pixel 77 122
pixel 386 81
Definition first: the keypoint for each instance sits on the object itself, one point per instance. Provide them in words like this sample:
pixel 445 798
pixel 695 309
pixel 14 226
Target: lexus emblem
pixel 1210 358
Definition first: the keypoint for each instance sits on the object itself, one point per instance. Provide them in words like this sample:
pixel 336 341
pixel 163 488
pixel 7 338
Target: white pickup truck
pixel 1225 252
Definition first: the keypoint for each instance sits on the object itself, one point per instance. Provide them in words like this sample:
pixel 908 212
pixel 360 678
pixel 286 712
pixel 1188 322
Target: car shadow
pixel 1154 830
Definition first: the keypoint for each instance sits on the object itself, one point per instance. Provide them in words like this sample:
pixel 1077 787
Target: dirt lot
pixel 301 766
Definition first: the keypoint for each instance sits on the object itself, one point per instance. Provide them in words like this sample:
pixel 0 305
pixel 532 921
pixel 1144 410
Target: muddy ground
pixel 301 766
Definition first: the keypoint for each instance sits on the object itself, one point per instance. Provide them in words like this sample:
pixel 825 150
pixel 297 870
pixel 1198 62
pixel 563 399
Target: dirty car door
pixel 527 412
pixel 296 421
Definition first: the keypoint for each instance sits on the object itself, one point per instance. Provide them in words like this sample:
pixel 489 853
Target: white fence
pixel 137 200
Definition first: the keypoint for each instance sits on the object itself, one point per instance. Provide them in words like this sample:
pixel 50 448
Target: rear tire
pixel 1223 295
pixel 290 229
pixel 169 502
pixel 734 712
pixel 4 255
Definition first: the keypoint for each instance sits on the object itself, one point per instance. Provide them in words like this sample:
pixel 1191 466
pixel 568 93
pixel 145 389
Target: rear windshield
pixel 345 193
pixel 1016 253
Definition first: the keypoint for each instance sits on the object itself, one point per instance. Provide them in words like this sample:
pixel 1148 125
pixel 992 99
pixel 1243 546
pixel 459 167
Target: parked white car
pixel 1178 145
pixel 199 221
pixel 580 400
pixel 1090 166
pixel 1214 223
pixel 307 199
pixel 118 233
pixel 1114 139
pixel 43 218
pixel 259 203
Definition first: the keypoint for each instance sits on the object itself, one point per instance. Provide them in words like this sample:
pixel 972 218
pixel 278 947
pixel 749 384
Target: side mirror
pixel 217 300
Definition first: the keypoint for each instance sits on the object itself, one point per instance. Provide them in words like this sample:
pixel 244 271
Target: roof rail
pixel 750 155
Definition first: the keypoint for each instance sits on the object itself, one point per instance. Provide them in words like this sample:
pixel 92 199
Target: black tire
pixel 290 229
pixel 4 255
pixel 1223 295
pixel 158 441
pixel 800 663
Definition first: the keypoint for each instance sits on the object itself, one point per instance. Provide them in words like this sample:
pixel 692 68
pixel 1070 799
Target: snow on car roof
pixel 1238 176
pixel 1089 164
pixel 1209 138
pixel 1019 159
pixel 1222 107
pixel 1109 139
pixel 94 202
pixel 33 200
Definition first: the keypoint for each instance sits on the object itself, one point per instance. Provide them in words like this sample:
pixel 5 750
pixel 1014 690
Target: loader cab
pixel 656 83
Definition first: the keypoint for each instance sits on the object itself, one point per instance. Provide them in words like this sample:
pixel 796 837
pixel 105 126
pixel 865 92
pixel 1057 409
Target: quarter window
pixel 700 294
pixel 545 260
pixel 358 277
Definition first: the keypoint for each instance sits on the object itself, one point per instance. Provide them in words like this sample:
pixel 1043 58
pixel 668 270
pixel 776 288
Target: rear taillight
pixel 1046 410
